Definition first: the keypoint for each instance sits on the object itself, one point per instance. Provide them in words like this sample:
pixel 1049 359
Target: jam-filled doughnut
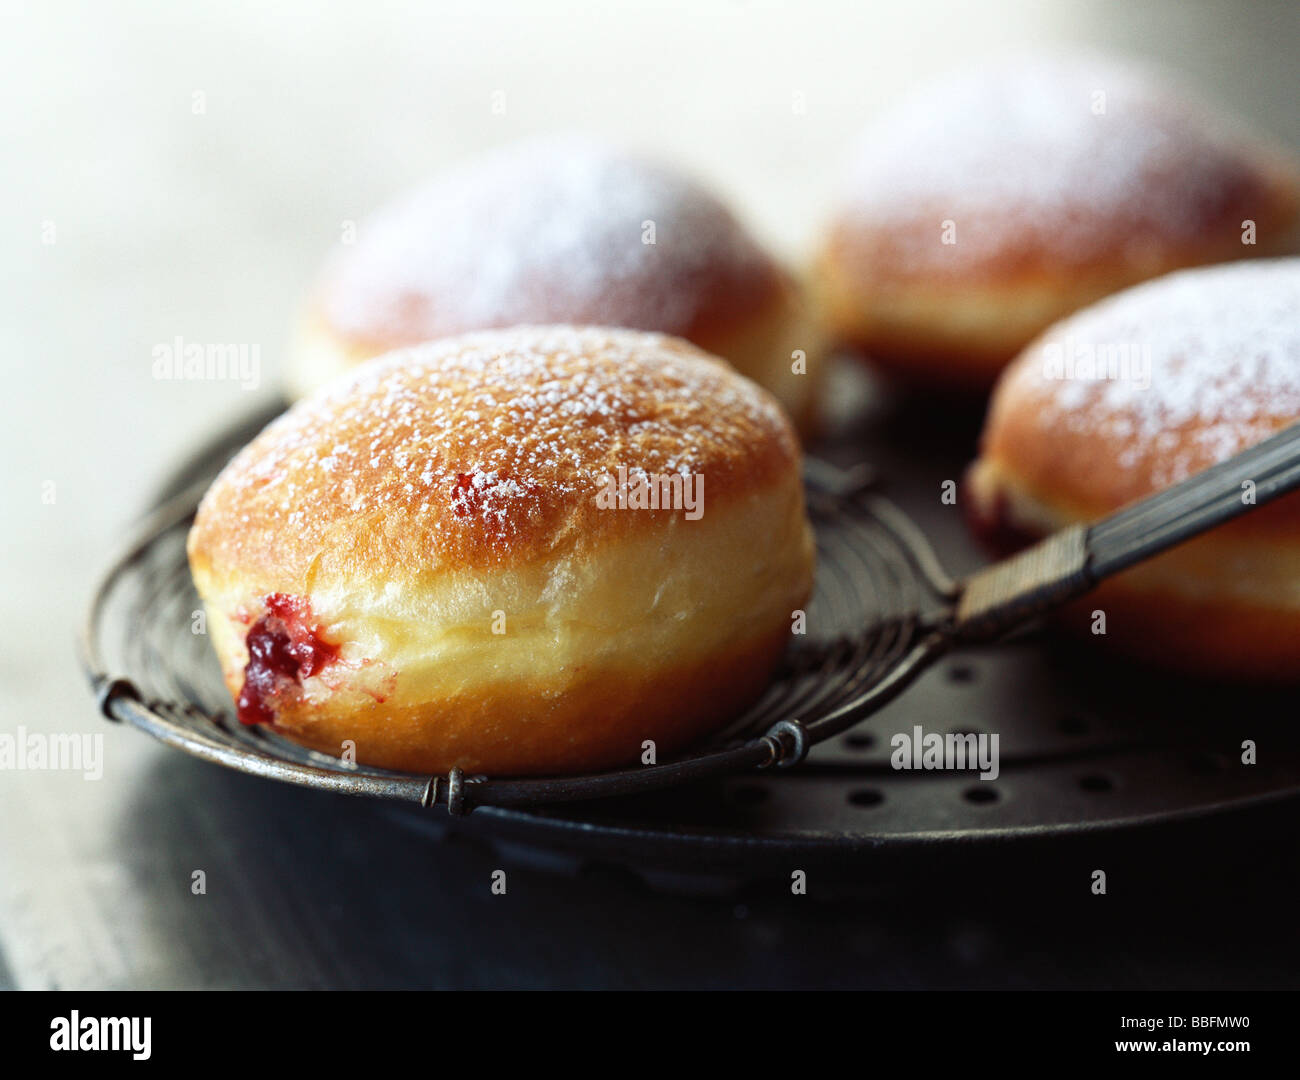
pixel 1002 198
pixel 1130 396
pixel 524 551
pixel 559 229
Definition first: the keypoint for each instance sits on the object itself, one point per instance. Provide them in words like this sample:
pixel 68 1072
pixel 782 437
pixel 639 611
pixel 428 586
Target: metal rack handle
pixel 1070 562
pixel 1196 504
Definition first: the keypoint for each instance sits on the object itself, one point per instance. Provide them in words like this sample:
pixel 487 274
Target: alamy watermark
pixel 69 751
pixel 959 750
pixel 192 361
pixel 636 489
pixel 120 1034
pixel 1085 361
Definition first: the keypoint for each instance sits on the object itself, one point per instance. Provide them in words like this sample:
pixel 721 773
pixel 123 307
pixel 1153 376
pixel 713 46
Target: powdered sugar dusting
pixel 550 230
pixel 1058 152
pixel 493 438
pixel 1224 348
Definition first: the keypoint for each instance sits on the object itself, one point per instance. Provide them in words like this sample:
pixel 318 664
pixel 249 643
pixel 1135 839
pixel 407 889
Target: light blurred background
pixel 172 168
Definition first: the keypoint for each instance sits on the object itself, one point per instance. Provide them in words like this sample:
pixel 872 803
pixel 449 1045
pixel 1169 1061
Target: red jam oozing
pixel 994 529
pixel 283 646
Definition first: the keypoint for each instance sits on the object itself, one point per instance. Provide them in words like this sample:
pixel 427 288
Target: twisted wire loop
pixel 456 792
pixel 867 636
pixel 790 750
pixel 108 691
pixel 453 789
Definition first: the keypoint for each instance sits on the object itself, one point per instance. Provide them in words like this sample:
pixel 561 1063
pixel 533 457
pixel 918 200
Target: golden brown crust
pixel 764 346
pixel 736 295
pixel 725 297
pixel 1223 345
pixel 1046 206
pixel 1200 637
pixel 1223 605
pixel 484 451
pixel 418 561
pixel 1223 349
pixel 1066 471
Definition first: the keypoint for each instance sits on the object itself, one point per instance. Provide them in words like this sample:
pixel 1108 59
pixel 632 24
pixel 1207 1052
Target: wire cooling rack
pixel 866 636
pixel 1082 749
